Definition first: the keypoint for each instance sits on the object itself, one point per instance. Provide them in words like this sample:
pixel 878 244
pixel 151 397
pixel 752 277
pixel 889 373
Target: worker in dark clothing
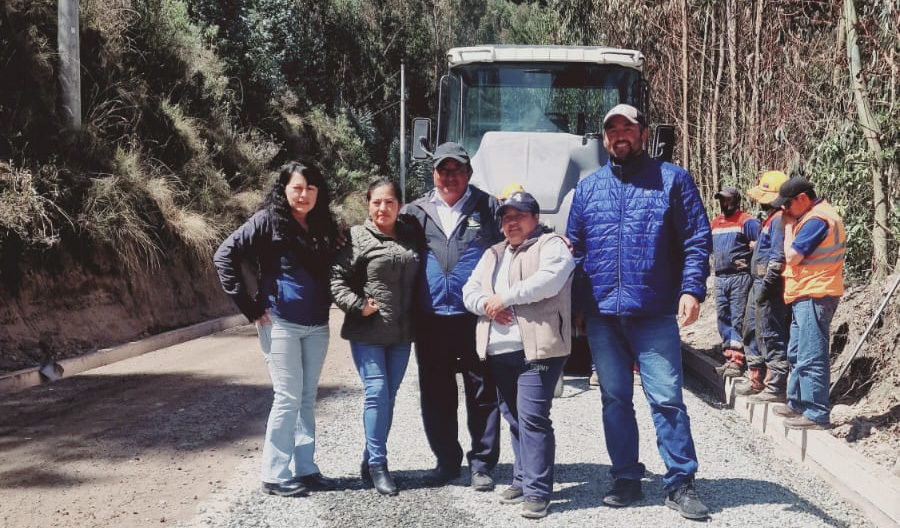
pixel 765 332
pixel 734 233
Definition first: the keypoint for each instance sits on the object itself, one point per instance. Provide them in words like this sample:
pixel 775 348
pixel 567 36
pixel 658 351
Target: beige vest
pixel 546 325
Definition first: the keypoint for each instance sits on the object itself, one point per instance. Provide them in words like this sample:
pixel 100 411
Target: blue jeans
pixel 807 353
pixel 731 303
pixel 294 355
pixel 381 369
pixel 653 342
pixel 525 392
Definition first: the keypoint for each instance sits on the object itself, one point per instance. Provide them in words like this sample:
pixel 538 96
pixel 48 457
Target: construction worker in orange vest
pixel 814 245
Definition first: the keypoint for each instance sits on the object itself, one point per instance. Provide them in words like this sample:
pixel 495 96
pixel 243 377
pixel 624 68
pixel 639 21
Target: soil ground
pixel 866 400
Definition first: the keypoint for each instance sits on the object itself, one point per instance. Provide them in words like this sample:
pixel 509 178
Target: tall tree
pixel 871 131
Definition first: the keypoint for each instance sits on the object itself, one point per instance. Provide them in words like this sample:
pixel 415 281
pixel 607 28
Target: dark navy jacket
pixel 292 279
pixel 768 255
pixel 641 234
pixel 450 259
pixel 731 242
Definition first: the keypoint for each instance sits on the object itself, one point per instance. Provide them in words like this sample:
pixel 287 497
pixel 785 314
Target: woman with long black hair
pixel 291 240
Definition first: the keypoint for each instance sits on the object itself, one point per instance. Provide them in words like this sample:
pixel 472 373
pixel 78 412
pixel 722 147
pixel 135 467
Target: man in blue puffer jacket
pixel 642 237
pixel 460 223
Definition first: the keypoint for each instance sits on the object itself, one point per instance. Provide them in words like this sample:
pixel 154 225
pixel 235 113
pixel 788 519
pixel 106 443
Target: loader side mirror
pixel 421 138
pixel 662 144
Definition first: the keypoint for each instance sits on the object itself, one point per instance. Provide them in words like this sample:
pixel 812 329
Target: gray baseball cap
pixel 450 150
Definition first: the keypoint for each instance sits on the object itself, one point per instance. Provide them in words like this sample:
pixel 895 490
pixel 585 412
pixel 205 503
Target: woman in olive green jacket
pixel 373 281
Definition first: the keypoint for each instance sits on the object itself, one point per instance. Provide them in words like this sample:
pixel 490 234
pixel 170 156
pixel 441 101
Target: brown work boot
pixel 784 411
pixel 753 385
pixel 768 396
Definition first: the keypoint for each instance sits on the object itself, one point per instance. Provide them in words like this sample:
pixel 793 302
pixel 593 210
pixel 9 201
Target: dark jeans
pixel 445 344
pixel 526 394
pixel 766 325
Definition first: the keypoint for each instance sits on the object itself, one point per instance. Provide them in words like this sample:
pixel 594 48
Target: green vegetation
pixel 190 105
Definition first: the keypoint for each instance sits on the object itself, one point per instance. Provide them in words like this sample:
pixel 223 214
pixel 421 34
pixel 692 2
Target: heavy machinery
pixel 532 115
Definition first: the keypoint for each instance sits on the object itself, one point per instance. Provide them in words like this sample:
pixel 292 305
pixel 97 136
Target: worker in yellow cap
pixel 509 190
pixel 765 331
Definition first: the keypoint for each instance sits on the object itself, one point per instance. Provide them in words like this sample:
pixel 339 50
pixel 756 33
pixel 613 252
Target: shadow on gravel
pixel 732 493
pixel 117 417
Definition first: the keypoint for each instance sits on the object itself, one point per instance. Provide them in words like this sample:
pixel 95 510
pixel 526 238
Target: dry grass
pixel 25 211
pixel 114 214
pixel 196 231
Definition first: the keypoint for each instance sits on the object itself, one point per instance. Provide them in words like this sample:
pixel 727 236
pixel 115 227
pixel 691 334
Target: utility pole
pixel 403 131
pixel 69 62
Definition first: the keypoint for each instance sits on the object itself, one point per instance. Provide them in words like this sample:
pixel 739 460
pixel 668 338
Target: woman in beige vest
pixel 521 289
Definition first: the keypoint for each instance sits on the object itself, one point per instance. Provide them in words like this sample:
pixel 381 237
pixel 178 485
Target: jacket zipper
pixel 619 246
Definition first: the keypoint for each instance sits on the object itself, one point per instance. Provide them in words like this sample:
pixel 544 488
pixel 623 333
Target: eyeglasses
pixel 787 203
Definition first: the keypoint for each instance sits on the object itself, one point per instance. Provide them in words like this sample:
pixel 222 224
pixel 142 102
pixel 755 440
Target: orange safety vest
pixel 819 274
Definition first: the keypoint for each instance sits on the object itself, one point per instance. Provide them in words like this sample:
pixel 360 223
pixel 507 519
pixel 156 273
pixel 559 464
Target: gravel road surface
pixel 172 438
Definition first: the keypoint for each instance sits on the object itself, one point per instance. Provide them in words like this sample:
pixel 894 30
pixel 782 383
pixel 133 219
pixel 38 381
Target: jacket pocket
pixel 291 297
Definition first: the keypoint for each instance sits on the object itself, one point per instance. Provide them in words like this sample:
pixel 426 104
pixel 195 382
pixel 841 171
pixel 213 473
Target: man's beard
pixel 630 153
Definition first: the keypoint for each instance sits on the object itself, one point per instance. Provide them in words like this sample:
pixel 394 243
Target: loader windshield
pixel 531 97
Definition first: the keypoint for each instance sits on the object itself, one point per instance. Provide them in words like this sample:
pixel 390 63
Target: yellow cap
pixel 767 189
pixel 510 189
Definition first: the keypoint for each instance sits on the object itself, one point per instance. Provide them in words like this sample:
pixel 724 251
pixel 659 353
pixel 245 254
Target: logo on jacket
pixel 474 220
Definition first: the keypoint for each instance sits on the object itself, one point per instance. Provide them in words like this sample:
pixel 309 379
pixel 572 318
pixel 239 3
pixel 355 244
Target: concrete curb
pixel 868 486
pixel 32 377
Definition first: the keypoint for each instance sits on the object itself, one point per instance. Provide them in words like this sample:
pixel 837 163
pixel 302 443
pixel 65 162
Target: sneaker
pixel 317 482
pixel 802 422
pixel 624 492
pixel 512 495
pixel 535 507
pixel 291 488
pixel 784 411
pixel 594 381
pixel 767 396
pixel 482 481
pixel 687 502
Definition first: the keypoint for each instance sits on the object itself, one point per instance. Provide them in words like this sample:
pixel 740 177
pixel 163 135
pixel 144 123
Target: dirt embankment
pixel 866 400
pixel 79 308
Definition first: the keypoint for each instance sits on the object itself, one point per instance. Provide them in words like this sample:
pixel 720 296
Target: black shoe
pixel 687 502
pixel 441 475
pixel 288 489
pixel 624 492
pixel 317 482
pixel 364 472
pixel 382 479
pixel 535 507
pixel 512 495
pixel 481 481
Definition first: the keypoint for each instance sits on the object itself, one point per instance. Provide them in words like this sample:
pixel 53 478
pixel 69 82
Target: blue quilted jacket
pixel 642 237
